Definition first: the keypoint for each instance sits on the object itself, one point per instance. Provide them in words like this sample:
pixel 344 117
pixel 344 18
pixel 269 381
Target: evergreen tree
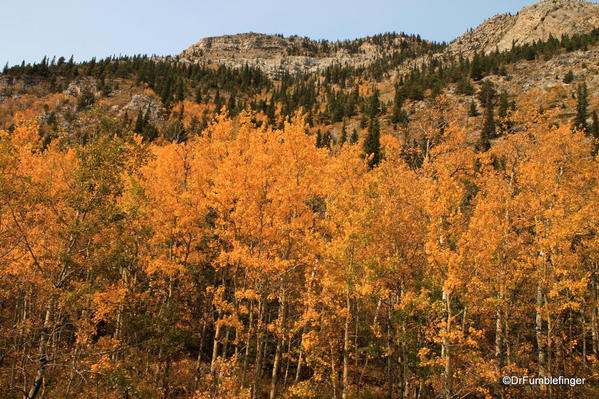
pixel 218 101
pixel 353 138
pixel 198 97
pixel 487 93
pixel 139 123
pixel 582 108
pixel 502 113
pixel 489 129
pixel 150 133
pixel 595 126
pixel 476 69
pixel 343 135
pixel 504 105
pixel 327 140
pixel 232 105
pixel 372 143
pixel 465 87
pixel 399 115
pixel 473 110
pixel 374 105
pixel 569 77
pixel 181 91
pixel 595 132
pixel 166 93
pixel 85 99
pixel 363 122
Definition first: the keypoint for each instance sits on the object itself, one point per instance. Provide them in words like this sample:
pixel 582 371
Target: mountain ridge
pixel 535 22
pixel 275 54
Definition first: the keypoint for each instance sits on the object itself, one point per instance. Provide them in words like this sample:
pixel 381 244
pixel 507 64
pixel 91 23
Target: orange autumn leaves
pixel 246 262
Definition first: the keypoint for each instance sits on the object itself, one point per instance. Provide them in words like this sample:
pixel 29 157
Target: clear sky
pixel 30 29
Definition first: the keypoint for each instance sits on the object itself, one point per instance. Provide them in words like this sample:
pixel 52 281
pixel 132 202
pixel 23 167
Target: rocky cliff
pixel 536 22
pixel 275 54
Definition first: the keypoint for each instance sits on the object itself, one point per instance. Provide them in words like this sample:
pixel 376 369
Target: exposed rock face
pixel 535 22
pixel 145 103
pixel 276 54
pixel 77 87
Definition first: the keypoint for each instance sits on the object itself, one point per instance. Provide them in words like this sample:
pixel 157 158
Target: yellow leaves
pixel 309 340
pixel 106 303
pixel 25 137
pixel 303 389
pixel 247 294
pixel 103 365
pixel 164 267
pixel 424 354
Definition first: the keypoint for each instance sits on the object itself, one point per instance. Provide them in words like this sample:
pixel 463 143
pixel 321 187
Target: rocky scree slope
pixel 535 22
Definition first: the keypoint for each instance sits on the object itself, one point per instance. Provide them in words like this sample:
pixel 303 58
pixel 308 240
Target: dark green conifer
pixel 504 105
pixel 139 123
pixel 473 110
pixel 198 96
pixel 489 129
pixel 595 126
pixel 487 93
pixel 232 105
pixel 318 139
pixel 569 77
pixel 582 108
pixel 372 143
pixel 595 132
pixel 353 138
pixel 181 91
pixel 343 135
pixel 465 87
pixel 374 105
pixel 218 101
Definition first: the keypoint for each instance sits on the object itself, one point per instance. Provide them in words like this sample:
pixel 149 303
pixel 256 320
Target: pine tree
pixel 569 77
pixel 372 143
pixel 504 105
pixel 181 91
pixel 487 93
pixel 343 135
pixel 232 105
pixel 363 122
pixel 218 101
pixel 595 126
pixel 353 138
pixel 318 139
pixel 476 70
pixel 374 105
pixel 582 108
pixel 502 113
pixel 465 87
pixel 473 110
pixel 595 132
pixel 198 97
pixel 327 140
pixel 489 129
pixel 399 115
pixel 139 123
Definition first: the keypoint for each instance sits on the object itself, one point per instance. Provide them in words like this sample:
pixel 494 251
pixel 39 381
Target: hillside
pixel 269 217
pixel 276 55
pixel 536 22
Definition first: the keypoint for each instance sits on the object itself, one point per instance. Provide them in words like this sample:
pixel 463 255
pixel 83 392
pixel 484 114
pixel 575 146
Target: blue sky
pixel 31 29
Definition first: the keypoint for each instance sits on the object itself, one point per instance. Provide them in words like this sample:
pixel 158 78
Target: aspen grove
pixel 247 262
